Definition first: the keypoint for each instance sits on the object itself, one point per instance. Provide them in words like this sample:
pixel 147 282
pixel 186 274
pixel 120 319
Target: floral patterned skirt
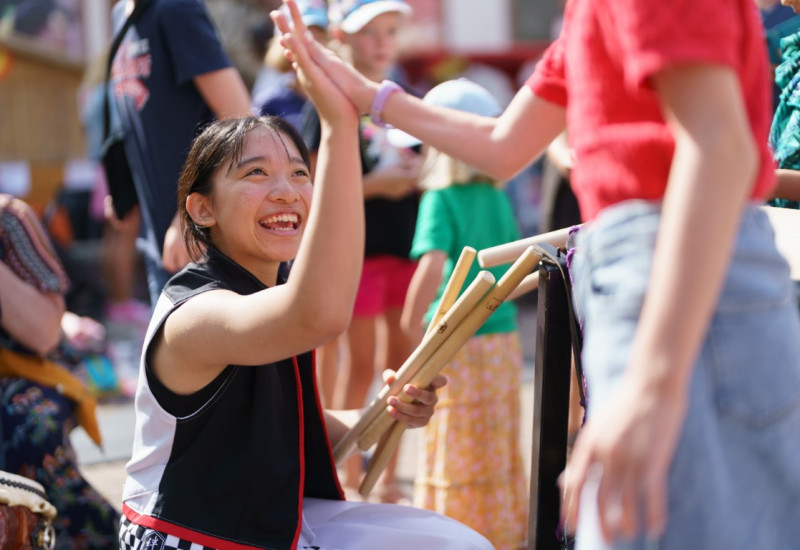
pixel 471 468
pixel 35 422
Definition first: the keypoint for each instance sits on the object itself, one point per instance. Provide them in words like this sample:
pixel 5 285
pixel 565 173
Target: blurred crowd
pixel 92 273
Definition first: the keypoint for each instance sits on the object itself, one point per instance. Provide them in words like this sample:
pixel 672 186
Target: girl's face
pixel 794 4
pixel 260 203
pixel 374 47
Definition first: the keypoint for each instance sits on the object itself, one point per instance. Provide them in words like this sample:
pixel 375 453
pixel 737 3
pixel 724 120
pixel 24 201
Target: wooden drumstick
pixel 454 285
pixel 432 340
pixel 452 319
pixel 459 336
pixel 528 284
pixel 439 359
pixel 388 445
pixel 380 458
pixel 508 252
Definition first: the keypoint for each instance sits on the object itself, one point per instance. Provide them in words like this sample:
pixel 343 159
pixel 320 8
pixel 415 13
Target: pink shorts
pixel 384 281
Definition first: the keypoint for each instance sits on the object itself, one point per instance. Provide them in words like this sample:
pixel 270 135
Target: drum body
pixel 26 517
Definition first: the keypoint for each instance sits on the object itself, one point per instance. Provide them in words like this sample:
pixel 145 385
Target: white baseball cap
pixel 460 94
pixel 352 15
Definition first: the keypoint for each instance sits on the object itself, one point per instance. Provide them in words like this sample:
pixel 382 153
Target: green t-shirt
pixel 474 214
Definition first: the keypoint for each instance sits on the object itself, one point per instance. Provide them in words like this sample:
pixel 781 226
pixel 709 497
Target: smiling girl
pixel 232 448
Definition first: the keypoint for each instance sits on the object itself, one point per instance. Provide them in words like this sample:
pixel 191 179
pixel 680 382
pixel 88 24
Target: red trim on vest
pixel 302 449
pixel 325 425
pixel 183 532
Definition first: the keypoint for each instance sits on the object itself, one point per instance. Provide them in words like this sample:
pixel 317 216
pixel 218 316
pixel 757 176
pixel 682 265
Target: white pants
pixel 337 525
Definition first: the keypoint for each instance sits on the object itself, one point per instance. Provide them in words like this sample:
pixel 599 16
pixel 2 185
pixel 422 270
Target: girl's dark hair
pixel 217 147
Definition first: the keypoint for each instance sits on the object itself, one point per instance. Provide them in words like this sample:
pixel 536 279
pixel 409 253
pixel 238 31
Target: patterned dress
pixel 471 468
pixel 35 420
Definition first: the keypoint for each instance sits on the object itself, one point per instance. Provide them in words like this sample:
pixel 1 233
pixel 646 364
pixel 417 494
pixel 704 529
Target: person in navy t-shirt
pixel 170 78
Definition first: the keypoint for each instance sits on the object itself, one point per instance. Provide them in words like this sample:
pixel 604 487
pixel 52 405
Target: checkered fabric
pixel 136 537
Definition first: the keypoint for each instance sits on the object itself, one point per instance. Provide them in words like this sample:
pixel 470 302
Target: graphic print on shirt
pixel 132 65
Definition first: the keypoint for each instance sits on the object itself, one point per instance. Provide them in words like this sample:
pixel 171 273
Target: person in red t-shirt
pixel 691 347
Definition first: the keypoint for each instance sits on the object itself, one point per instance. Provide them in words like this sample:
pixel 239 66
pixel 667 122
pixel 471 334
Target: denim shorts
pixel 735 479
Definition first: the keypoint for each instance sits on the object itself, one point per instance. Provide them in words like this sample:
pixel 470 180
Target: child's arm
pixel 632 441
pixel 501 147
pixel 560 156
pixel 421 292
pixel 787 185
pixel 395 181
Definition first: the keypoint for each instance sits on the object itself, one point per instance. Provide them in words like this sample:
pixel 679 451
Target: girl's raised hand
pixel 358 88
pixel 332 105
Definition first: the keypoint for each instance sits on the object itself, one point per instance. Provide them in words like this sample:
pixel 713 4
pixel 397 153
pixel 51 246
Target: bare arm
pixel 559 154
pixel 224 92
pixel 338 422
pixel 31 317
pixel 395 181
pixel 788 185
pixel 499 146
pixel 316 302
pixel 713 169
pixel 422 291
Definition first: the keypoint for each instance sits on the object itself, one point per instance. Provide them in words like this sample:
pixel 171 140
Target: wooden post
pixel 553 354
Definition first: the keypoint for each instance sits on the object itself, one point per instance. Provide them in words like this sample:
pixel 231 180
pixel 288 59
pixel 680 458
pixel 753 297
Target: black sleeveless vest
pixel 239 463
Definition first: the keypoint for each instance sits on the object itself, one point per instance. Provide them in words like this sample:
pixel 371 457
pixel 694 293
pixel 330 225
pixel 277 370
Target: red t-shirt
pixel 600 71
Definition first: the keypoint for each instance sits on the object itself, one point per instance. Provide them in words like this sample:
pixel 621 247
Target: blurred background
pixel 48 48
pixel 52 54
